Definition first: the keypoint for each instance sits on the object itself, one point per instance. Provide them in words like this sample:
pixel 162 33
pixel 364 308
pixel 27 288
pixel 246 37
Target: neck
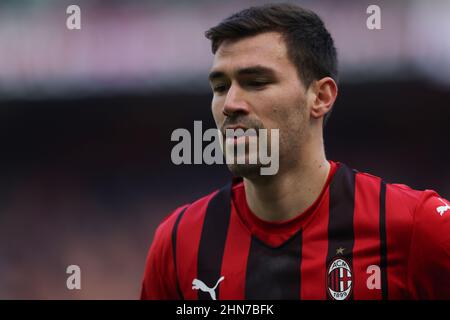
pixel 288 194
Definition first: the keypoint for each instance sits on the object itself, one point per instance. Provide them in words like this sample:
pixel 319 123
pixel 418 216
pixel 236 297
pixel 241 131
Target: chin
pixel 248 171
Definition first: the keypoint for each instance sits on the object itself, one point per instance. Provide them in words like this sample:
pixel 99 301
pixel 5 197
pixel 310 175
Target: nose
pixel 235 102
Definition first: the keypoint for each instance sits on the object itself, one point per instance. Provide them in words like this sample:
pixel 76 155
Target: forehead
pixel 265 49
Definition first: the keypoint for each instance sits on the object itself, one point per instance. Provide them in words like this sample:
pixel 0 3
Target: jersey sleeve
pixel 429 257
pixel 160 279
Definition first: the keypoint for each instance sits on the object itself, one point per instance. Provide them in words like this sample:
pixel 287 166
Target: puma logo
pixel 442 209
pixel 200 285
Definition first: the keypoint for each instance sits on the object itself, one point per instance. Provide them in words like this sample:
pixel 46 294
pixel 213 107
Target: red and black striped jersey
pixel 361 239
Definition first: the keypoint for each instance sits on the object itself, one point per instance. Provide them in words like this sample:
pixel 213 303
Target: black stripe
pixel 340 225
pixel 174 250
pixel 274 273
pixel 212 241
pixel 383 245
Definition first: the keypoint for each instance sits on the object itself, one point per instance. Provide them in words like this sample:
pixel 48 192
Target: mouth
pixel 239 134
pixel 234 128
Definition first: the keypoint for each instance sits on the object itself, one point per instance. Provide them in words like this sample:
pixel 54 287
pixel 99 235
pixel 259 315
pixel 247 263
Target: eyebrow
pixel 253 70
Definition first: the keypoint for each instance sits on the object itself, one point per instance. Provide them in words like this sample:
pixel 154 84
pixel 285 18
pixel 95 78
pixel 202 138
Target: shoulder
pixel 429 261
pixel 165 227
pixel 401 195
pixel 403 204
pixel 425 206
pixel 425 211
pixel 430 213
pixel 432 221
pixel 189 211
pixel 397 195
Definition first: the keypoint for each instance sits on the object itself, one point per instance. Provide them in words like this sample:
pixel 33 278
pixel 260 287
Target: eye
pixel 258 84
pixel 219 88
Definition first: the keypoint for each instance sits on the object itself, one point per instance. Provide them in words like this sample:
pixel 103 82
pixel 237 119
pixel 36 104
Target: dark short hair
pixel 309 44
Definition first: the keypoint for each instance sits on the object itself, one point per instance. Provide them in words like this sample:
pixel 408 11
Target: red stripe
pixel 398 233
pixel 161 253
pixel 234 263
pixel 336 276
pixel 333 281
pixel 333 278
pixel 189 232
pixel 366 250
pixel 314 275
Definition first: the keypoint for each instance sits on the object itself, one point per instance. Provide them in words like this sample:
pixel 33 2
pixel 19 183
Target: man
pixel 314 230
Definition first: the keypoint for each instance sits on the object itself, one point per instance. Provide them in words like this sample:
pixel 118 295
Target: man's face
pixel 256 86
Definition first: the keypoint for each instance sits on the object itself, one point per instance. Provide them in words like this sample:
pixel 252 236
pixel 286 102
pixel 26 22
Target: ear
pixel 324 95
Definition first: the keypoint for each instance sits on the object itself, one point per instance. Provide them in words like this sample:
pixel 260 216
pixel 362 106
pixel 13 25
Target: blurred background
pixel 86 117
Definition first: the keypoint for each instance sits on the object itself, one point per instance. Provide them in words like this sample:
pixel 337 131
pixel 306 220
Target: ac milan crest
pixel 340 279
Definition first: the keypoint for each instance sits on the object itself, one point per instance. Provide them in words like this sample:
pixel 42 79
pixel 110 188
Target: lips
pixel 244 131
pixel 234 128
pixel 239 135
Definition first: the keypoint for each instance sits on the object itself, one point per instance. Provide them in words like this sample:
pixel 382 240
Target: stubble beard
pixel 291 140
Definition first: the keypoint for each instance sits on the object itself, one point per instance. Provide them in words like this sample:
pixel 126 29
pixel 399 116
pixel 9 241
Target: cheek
pixel 216 109
pixel 288 115
pixel 284 112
